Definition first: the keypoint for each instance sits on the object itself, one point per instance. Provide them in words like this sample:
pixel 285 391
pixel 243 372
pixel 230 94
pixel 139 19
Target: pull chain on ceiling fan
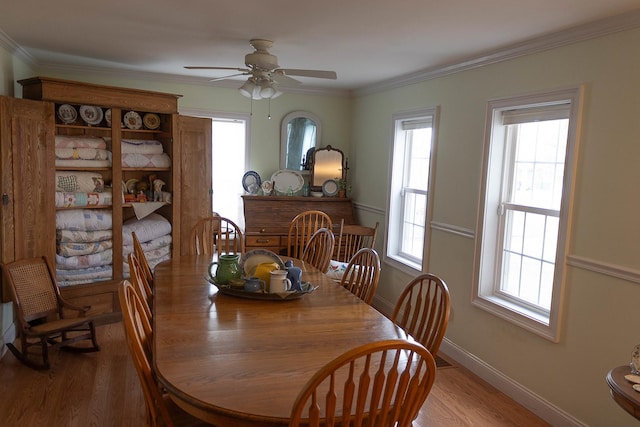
pixel 265 73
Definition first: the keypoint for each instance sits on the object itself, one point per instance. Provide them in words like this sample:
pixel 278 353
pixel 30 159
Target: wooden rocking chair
pixel 42 314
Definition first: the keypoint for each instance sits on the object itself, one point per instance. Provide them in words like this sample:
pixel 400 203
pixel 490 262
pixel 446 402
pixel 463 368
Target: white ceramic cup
pixel 278 282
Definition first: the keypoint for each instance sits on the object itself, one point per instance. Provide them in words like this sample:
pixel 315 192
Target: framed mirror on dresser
pixel 328 164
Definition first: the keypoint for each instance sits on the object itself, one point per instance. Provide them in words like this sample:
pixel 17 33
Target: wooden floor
pixel 102 389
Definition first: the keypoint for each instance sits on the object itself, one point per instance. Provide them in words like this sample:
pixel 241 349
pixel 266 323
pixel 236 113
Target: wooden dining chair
pixel 352 238
pixel 216 234
pixel 160 409
pixel 423 310
pixel 44 317
pixel 319 248
pixel 142 258
pixel 381 383
pixel 362 274
pixel 140 284
pixel 301 229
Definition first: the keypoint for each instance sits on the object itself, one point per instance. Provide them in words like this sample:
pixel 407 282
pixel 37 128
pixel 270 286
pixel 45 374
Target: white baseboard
pixel 8 337
pixel 534 403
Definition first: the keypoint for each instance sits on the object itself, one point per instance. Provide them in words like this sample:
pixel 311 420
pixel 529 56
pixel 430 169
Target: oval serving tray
pixel 286 179
pixel 307 288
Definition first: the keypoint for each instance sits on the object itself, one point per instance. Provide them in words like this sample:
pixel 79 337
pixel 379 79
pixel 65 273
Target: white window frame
pixel 396 179
pixel 489 236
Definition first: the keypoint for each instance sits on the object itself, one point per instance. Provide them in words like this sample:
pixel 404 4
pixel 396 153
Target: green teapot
pixel 225 269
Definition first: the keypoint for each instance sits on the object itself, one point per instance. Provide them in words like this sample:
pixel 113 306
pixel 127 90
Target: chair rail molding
pixel 608 269
pixel 453 229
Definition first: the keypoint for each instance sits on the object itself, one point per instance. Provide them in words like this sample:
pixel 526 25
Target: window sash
pixel 410 175
pixel 556 210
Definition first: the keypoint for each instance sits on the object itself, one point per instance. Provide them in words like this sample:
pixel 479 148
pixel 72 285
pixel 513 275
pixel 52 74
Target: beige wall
pixel 600 310
pixel 599 324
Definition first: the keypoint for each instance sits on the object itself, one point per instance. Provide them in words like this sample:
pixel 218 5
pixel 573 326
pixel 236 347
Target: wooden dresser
pixel 267 218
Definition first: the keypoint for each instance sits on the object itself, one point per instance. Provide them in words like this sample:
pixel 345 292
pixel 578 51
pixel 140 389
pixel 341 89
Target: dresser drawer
pixel 262 241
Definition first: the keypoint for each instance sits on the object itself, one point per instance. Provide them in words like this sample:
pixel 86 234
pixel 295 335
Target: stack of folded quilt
pixel 154 233
pixel 81 151
pixel 84 242
pixel 144 153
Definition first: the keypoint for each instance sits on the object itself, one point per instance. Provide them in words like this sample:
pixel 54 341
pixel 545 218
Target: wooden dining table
pixel 233 361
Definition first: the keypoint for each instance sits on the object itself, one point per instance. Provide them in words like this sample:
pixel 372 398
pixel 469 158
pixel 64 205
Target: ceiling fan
pixel 265 73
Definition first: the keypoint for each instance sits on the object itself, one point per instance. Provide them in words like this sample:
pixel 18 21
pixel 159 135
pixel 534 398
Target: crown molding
pixel 16 50
pixel 566 37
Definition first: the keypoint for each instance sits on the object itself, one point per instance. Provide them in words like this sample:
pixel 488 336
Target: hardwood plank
pixel 102 389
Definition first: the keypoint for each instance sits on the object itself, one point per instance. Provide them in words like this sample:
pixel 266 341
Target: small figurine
pixel 157 189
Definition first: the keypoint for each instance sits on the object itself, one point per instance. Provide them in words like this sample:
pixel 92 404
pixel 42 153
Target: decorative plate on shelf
pixel 151 121
pixel 250 260
pixel 91 115
pixel 285 180
pixel 67 114
pixel 330 188
pixel 251 182
pixel 107 116
pixel 132 120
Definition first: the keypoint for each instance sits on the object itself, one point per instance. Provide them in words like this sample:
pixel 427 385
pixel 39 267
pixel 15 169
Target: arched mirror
pixel 328 163
pixel 300 134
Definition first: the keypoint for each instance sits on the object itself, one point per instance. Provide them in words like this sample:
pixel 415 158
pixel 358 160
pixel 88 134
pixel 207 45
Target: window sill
pixel 403 264
pixel 518 315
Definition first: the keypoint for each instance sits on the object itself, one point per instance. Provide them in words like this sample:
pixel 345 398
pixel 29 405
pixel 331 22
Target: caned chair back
pixel 423 310
pixel 319 248
pixel 140 284
pixel 377 384
pixel 35 292
pixel 216 234
pixel 142 258
pixel 301 229
pixel 352 238
pixel 362 274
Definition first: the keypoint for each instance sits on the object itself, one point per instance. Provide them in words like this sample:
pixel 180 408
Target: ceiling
pixel 366 42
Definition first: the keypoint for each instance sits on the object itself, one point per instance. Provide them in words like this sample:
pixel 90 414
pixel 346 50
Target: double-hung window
pixel 412 156
pixel 524 217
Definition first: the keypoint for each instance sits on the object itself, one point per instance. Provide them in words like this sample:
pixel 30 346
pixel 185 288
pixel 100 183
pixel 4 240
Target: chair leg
pixel 90 335
pixel 23 356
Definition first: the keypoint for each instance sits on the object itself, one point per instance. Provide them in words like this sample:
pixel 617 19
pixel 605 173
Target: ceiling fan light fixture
pixel 262 89
pixel 266 89
pixel 248 89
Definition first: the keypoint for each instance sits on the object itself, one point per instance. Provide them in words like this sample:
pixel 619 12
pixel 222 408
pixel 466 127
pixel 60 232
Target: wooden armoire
pixel 28 130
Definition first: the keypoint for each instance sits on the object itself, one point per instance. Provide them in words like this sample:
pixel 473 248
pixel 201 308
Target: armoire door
pixel 27 213
pixel 195 174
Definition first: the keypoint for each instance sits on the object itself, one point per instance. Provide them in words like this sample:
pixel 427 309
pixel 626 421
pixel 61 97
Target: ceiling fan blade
pixel 320 74
pixel 280 78
pixel 229 76
pixel 244 70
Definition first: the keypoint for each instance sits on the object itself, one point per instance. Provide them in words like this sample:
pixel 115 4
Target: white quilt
pixel 84 219
pixel 149 228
